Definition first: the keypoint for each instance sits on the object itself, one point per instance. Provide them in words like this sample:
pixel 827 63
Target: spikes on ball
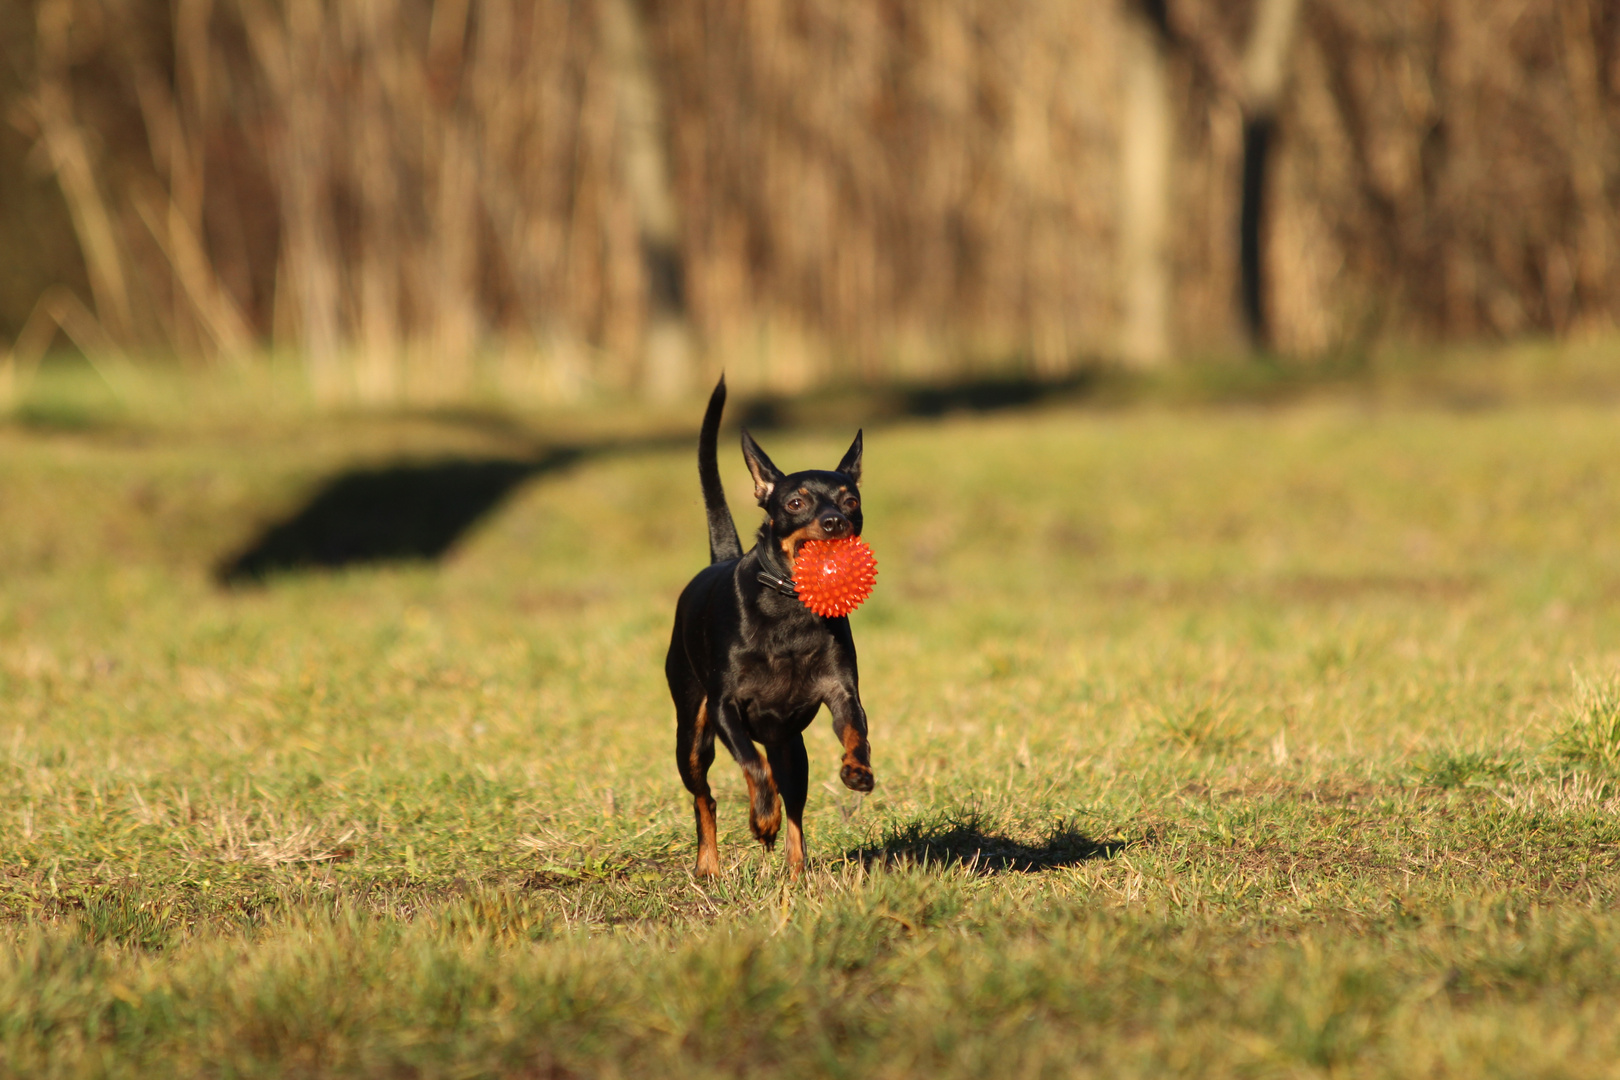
pixel 834 577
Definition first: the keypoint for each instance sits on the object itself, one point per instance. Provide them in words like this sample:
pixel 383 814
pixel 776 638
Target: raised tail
pixel 723 542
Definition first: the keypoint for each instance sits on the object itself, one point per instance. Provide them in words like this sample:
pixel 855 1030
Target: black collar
pixel 771 581
pixel 769 556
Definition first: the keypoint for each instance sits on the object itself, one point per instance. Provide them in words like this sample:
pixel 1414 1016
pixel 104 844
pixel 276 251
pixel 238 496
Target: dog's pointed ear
pixel 851 465
pixel 766 475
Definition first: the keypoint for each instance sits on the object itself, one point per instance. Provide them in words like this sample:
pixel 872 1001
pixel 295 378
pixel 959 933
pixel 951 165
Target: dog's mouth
pixel 796 540
pixel 791 546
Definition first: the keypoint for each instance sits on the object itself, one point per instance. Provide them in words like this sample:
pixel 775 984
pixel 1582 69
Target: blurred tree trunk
pixel 1147 141
pixel 1253 79
pixel 1265 59
pixel 667 341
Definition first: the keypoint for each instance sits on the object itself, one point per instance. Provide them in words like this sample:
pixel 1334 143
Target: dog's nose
pixel 834 525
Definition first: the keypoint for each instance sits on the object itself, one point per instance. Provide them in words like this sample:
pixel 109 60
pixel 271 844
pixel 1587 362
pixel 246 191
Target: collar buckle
pixel 771 581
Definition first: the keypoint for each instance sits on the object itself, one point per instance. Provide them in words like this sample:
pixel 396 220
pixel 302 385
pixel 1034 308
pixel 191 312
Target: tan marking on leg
pixel 708 859
pixel 795 849
pixel 764 827
pixel 857 768
pixel 851 738
pixel 695 758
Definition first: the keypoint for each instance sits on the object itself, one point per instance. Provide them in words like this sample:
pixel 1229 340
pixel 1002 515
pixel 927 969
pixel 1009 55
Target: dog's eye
pixel 795 504
pixel 851 505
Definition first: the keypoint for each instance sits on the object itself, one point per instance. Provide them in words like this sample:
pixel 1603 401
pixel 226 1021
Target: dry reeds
pixel 398 190
pixel 384 188
pixel 1452 169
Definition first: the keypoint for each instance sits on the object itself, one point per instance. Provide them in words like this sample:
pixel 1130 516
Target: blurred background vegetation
pixel 409 198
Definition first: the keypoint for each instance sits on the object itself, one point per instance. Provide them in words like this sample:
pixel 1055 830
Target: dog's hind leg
pixel 764 811
pixel 791 767
pixel 694 753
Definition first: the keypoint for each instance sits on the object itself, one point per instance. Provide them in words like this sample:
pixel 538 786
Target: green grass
pixel 1209 741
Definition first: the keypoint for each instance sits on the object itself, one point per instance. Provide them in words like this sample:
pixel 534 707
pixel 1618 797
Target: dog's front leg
pixel 849 724
pixel 764 810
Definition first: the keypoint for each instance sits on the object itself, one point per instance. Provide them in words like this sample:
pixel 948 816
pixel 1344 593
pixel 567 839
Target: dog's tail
pixel 723 542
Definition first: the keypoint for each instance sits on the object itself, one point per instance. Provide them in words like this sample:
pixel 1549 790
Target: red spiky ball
pixel 834 577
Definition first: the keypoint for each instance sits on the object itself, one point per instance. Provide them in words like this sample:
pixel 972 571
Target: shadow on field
pixel 415 510
pixel 873 406
pixel 397 512
pixel 964 841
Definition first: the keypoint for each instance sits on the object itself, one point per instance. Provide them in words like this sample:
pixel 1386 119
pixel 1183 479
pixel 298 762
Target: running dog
pixel 752 665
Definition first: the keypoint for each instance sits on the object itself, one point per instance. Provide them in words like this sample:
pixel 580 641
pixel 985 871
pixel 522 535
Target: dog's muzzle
pixel 836 526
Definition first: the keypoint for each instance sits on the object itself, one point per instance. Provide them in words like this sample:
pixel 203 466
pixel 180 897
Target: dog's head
pixel 810 505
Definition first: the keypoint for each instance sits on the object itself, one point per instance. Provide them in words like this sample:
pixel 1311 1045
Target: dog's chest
pixel 782 684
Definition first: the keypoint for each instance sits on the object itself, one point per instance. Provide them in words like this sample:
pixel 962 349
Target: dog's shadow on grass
pixel 965 841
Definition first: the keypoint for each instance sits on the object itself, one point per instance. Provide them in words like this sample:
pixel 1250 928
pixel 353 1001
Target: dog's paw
pixel 857 777
pixel 765 827
pixel 708 863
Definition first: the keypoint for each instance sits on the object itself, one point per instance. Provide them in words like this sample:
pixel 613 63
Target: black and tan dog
pixel 749 663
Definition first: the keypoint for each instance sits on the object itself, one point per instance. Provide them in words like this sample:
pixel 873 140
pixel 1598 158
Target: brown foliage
pixel 890 171
pixel 391 187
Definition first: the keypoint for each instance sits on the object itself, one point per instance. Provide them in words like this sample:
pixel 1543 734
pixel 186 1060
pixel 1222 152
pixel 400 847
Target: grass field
pixel 1210 740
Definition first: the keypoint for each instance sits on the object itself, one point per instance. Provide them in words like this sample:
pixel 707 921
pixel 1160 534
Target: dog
pixel 748 663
